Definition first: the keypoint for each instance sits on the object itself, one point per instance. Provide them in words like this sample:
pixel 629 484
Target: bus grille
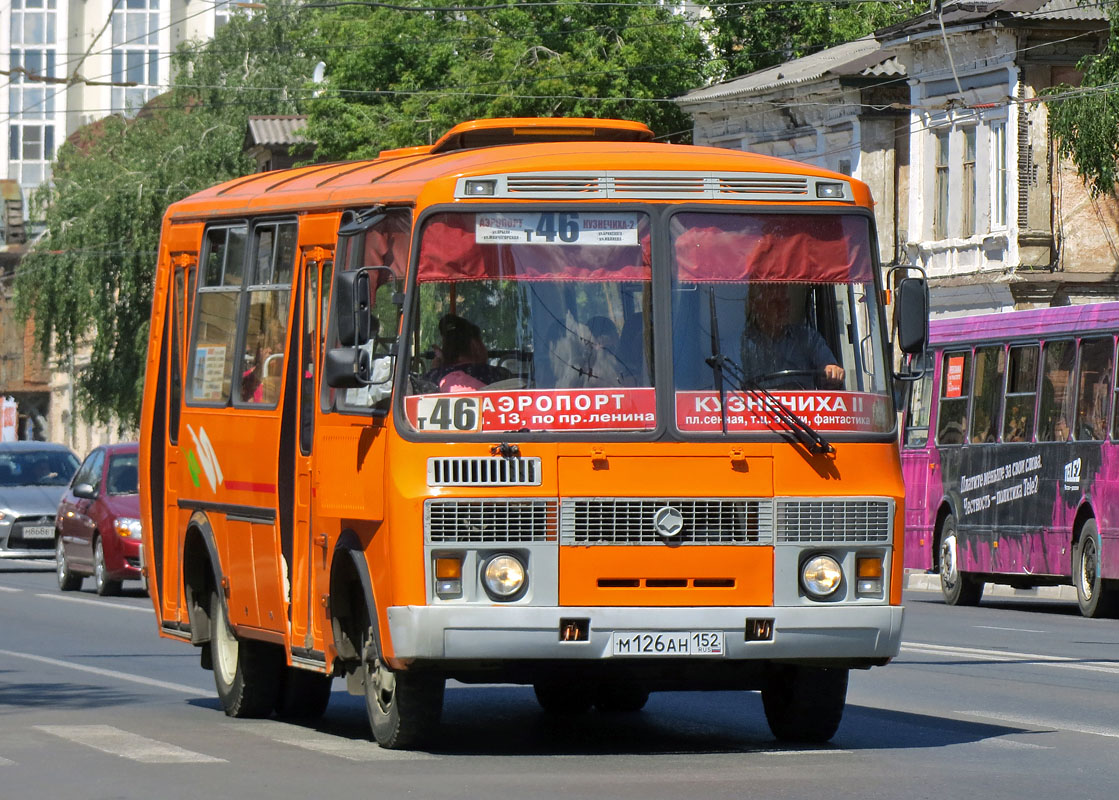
pixel 626 521
pixel 834 521
pixel 483 472
pixel 489 521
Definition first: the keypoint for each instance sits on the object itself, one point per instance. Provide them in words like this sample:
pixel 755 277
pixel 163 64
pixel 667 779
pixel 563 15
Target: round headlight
pixel 820 576
pixel 504 576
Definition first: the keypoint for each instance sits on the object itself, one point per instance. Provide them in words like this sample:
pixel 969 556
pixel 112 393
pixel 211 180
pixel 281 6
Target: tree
pixel 1085 120
pixel 89 278
pixel 403 77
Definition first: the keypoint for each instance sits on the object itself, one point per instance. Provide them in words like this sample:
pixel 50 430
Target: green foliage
pixel 1085 121
pixel 397 78
pixel 746 38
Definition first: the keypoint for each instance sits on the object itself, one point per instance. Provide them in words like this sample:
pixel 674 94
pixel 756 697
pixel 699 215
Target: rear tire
pixel 805 704
pixel 1093 595
pixel 959 588
pixel 246 673
pixel 564 699
pixel 621 698
pixel 68 580
pixel 403 707
pixel 303 695
pixel 105 587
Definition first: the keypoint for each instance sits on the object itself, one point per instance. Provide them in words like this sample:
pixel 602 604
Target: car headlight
pixel 128 528
pixel 504 577
pixel 820 576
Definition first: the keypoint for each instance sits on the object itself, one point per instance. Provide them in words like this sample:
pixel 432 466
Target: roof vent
pixel 522 130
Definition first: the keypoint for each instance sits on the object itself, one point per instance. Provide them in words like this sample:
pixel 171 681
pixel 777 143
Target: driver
pixel 772 343
pixel 463 365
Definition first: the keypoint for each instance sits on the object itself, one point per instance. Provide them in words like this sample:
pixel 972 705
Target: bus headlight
pixel 820 576
pixel 504 576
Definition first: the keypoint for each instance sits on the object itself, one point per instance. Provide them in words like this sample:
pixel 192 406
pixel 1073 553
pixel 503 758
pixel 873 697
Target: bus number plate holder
pixel 667 643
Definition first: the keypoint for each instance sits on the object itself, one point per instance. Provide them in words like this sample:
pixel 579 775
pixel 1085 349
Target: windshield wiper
pixel 804 433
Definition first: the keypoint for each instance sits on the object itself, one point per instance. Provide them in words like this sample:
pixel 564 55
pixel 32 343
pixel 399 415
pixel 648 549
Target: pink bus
pixel 1011 455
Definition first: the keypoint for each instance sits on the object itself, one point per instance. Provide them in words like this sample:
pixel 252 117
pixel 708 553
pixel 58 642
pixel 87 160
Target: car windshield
pixel 533 321
pixel 37 468
pixel 123 475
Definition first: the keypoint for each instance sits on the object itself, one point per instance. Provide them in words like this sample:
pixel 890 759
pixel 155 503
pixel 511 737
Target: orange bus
pixel 546 402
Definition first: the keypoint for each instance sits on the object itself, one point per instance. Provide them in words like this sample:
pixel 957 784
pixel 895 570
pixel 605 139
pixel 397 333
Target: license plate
pixel 38 532
pixel 668 643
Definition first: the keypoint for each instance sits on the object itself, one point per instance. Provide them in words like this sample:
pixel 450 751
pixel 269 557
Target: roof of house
pixel 276 130
pixel 1016 12
pixel 861 57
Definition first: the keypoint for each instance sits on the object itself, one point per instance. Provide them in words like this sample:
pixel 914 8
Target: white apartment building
pixel 72 62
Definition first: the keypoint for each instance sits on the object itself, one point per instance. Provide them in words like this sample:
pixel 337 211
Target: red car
pixel 97 527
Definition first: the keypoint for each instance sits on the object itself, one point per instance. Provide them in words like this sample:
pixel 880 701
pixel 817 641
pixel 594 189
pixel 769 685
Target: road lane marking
pixel 102 603
pixel 9 589
pixel 976 654
pixel 1057 725
pixel 5 762
pixel 997 628
pixel 326 743
pixel 132 746
pixel 110 673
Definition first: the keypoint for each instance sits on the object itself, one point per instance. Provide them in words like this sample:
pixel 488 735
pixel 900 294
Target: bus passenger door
pixel 308 554
pixel 921 468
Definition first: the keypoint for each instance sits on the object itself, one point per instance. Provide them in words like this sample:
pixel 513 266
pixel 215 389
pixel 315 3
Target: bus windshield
pixel 789 301
pixel 533 321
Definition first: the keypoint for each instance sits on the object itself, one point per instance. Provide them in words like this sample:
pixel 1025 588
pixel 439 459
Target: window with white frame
pixel 967 209
pixel 135 54
pixel 940 187
pixel 31 97
pixel 1000 175
pixel 222 11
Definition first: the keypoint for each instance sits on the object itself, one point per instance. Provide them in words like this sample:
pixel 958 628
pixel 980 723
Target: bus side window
pixel 990 363
pixel 215 329
pixel 1055 413
pixel 1021 394
pixel 1094 382
pixel 266 325
pixel 955 387
pixel 917 415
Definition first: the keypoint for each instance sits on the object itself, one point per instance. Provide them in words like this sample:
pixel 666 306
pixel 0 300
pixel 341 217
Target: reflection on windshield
pixel 37 468
pixel 552 310
pixel 124 477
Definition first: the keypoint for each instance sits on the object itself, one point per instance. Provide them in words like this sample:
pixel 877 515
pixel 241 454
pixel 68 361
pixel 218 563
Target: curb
pixel 920 581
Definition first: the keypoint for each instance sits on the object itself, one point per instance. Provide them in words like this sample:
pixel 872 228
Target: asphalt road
pixel 1014 699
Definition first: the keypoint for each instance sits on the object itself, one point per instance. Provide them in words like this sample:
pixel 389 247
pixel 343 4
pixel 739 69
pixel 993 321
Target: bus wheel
pixel 403 707
pixel 564 698
pixel 303 694
pixel 804 704
pixel 1093 597
pixel 621 698
pixel 246 674
pixel 958 588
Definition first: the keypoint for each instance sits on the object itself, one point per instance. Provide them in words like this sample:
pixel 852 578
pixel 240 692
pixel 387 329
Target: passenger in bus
pixel 462 360
pixel 772 343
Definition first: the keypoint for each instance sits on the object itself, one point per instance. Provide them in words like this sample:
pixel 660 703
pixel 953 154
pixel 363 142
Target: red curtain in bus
pixel 822 248
pixel 449 252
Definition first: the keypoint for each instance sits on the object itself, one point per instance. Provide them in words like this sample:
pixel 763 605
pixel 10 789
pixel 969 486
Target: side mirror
pixel 85 491
pixel 347 367
pixel 912 315
pixel 356 324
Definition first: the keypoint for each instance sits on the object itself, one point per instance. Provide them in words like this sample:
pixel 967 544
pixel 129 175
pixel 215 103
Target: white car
pixel 33 476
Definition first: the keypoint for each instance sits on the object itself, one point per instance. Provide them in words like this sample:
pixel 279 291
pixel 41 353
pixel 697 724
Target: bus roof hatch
pixel 521 130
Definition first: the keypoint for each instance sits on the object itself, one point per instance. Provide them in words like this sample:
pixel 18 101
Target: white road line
pixel 109 673
pixel 976 654
pixel 102 603
pixel 1031 722
pixel 326 743
pixel 132 746
pixel 9 589
pixel 997 628
pixel 5 762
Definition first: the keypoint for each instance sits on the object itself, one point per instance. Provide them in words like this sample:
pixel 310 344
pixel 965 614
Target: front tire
pixel 959 588
pixel 1092 595
pixel 805 704
pixel 105 587
pixel 68 580
pixel 403 707
pixel 246 673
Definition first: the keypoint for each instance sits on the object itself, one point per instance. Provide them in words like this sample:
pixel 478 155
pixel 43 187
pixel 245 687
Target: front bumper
pixel 497 633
